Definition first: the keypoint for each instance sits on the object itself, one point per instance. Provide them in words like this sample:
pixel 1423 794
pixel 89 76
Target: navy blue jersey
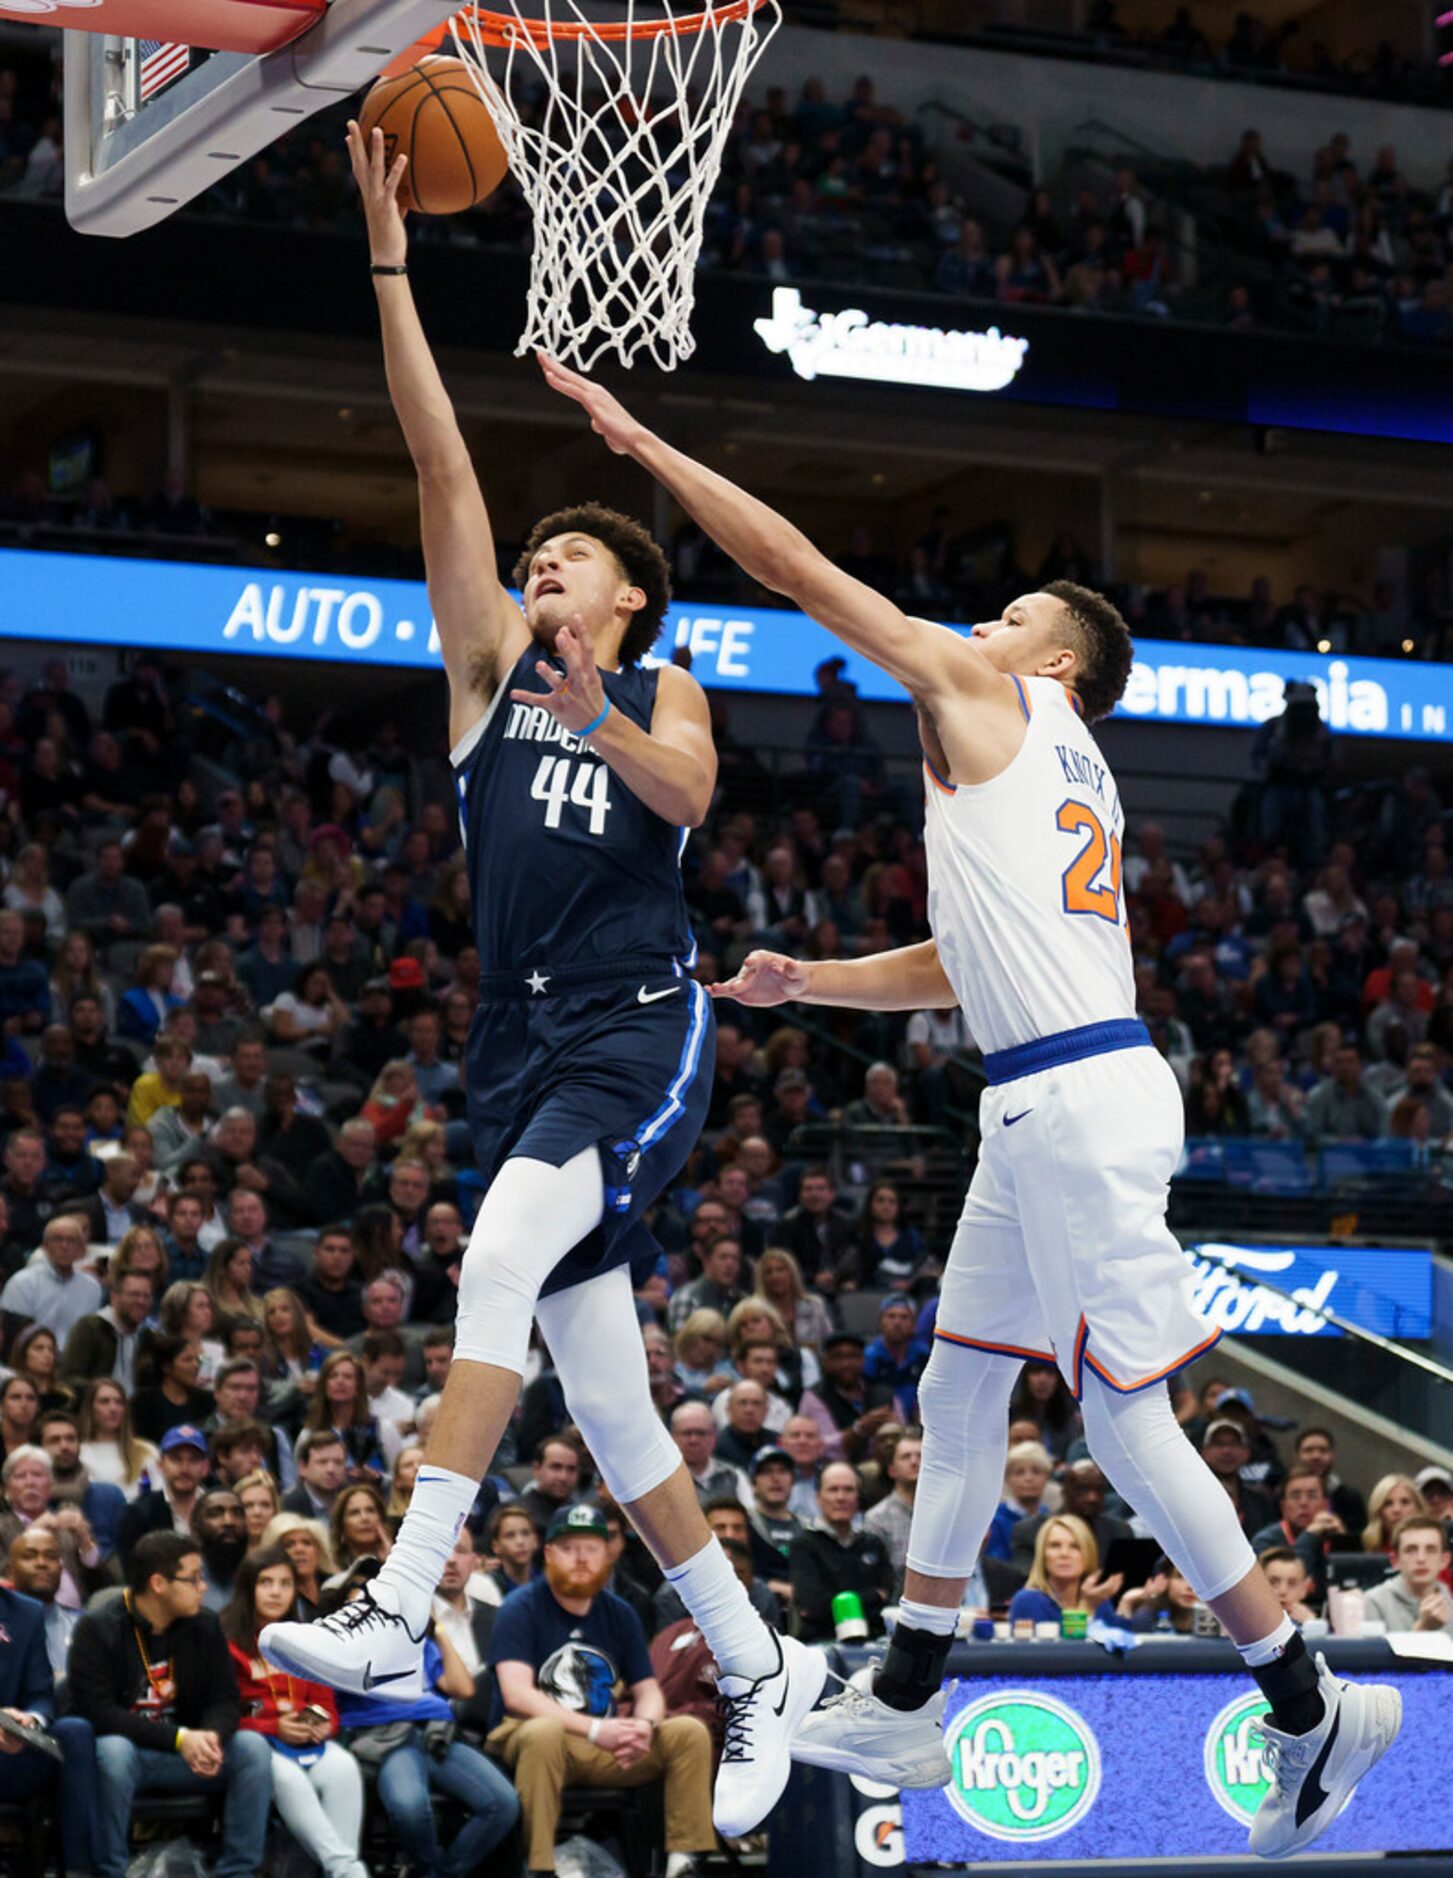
pixel 566 866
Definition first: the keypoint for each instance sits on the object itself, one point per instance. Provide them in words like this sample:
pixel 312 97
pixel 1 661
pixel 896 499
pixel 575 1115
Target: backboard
pixel 149 125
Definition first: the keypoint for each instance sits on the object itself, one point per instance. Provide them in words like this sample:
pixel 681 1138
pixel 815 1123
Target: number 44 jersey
pixel 1024 894
pixel 566 866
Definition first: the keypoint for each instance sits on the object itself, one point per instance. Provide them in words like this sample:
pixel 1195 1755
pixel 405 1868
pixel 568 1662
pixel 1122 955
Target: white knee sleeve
pixel 964 1402
pixel 595 1339
pixel 1144 1453
pixel 532 1216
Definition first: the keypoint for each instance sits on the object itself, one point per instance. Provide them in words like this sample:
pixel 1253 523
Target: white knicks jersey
pixel 1024 892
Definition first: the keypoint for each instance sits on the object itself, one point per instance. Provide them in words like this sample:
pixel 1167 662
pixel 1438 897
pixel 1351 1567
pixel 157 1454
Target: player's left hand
pixel 578 698
pixel 609 418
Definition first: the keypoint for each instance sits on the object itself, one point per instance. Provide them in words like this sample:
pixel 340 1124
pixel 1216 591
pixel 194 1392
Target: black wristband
pixel 376 269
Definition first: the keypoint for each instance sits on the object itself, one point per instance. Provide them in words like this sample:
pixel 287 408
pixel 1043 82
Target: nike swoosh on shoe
pixel 1313 1794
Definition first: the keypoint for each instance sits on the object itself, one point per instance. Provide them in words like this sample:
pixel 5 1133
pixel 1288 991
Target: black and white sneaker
pixel 366 1647
pixel 1314 1775
pixel 759 1720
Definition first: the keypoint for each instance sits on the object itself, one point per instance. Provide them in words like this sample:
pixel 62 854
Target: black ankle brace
pixel 1289 1683
pixel 912 1670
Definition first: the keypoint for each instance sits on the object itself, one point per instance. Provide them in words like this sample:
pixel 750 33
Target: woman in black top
pixel 170 1395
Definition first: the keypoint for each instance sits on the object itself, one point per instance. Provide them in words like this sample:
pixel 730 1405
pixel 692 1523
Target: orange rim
pixel 506 29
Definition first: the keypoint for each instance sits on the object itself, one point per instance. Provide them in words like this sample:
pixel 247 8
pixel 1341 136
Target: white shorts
pixel 1063 1254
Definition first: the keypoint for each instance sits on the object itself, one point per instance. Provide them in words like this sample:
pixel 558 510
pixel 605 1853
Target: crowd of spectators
pixel 850 188
pixel 237 1189
pixel 1245 48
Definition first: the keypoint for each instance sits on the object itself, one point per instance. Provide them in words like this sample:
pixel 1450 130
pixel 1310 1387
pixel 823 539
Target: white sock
pixel 438 1508
pixel 717 1600
pixel 938 1619
pixel 1268 1649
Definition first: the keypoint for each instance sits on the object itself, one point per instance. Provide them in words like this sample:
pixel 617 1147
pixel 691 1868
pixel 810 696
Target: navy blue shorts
pixel 623 1064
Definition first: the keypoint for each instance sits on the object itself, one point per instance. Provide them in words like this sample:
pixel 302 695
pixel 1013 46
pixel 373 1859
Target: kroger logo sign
pixel 1024 1766
pixel 1380 1288
pixel 1234 1770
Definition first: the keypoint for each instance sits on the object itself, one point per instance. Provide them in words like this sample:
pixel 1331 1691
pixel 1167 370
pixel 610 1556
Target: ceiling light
pixel 1407 645
pixel 272 539
pixel 1324 645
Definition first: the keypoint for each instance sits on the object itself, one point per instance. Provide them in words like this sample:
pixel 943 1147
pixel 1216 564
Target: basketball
pixel 436 118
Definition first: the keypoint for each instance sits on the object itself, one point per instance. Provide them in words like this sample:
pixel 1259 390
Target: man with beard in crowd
pixel 220 1527
pixel 568 1658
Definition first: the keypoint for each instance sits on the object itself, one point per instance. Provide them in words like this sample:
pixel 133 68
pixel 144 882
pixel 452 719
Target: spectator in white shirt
pixel 48 1289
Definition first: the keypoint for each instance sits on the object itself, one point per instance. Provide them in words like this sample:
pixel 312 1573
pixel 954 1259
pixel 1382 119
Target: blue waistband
pixel 1066 1046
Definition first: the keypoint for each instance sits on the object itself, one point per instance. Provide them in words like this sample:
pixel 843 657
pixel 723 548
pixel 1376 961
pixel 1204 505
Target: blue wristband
pixel 595 723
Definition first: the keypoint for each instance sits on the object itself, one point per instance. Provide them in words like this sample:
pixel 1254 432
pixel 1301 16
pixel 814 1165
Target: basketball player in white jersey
pixel 1063 1253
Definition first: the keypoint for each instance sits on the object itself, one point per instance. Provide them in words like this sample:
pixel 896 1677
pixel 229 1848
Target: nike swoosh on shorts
pixel 654 997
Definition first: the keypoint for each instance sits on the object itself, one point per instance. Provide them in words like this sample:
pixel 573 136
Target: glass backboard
pixel 150 125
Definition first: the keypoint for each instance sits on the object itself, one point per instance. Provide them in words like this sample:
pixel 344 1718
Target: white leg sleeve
pixel 532 1216
pixel 1144 1453
pixel 964 1403
pixel 325 1820
pixel 595 1338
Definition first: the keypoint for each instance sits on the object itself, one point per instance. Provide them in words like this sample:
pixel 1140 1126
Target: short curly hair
pixel 1103 644
pixel 638 555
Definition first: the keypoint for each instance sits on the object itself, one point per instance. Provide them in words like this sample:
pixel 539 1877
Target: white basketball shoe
pixel 1314 1775
pixel 366 1647
pixel 760 1720
pixel 855 1733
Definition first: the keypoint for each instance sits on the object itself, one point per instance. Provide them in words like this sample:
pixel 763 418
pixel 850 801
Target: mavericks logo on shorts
pixel 1024 1766
pixel 1235 1772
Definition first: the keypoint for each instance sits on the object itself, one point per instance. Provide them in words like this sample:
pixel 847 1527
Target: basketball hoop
pixel 615 131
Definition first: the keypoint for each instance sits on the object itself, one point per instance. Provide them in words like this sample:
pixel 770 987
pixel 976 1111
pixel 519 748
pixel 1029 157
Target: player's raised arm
pixel 910 979
pixel 927 660
pixel 481 630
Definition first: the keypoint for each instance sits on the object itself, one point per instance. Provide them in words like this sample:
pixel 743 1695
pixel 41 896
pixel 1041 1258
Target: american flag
pixel 162 60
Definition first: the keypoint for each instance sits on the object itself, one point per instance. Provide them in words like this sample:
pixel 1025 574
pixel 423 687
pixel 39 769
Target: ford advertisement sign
pixel 176 607
pixel 1284 1291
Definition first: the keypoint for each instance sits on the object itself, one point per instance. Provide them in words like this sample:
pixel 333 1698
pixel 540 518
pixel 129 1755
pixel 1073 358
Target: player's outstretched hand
pixel 578 698
pixel 765 978
pixel 378 185
pixel 609 418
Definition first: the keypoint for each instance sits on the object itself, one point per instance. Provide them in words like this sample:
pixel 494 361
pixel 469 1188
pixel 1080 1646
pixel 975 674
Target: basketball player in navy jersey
pixel 591 1058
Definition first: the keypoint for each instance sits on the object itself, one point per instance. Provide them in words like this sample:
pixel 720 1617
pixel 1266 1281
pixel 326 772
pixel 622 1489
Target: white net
pixel 615 131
